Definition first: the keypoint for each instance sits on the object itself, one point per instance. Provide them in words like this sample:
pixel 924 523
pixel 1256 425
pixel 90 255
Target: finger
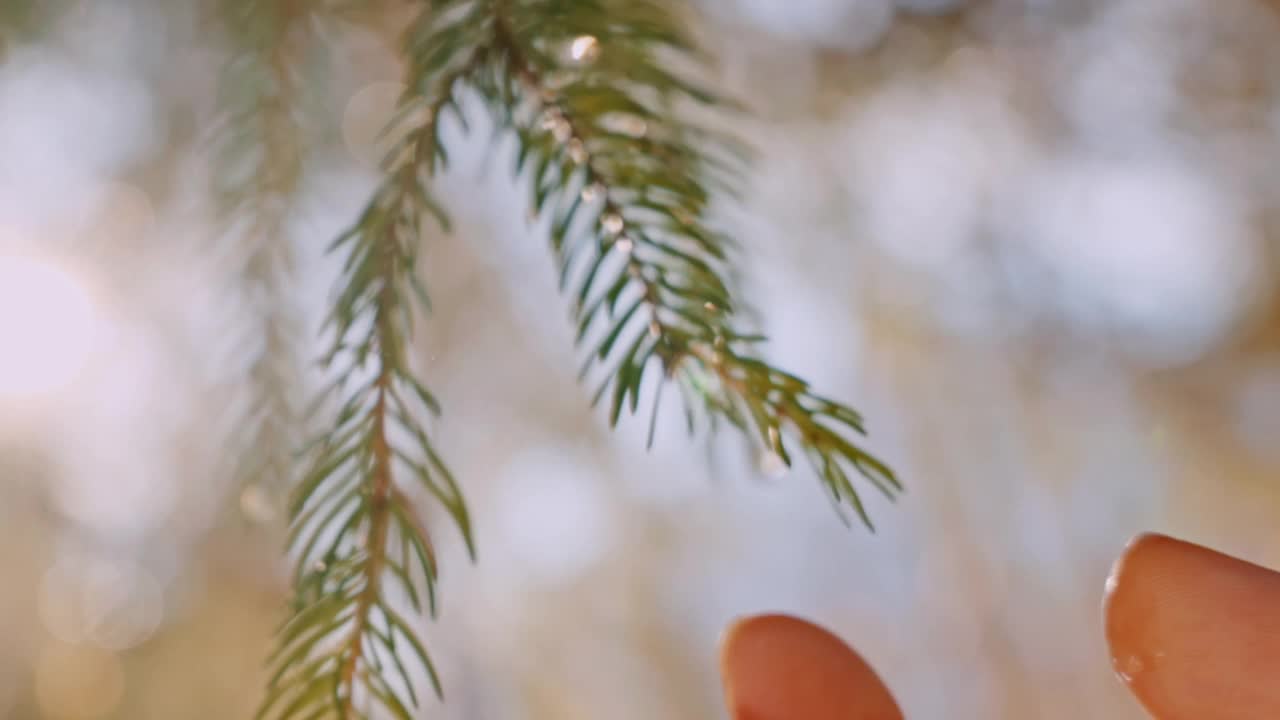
pixel 1195 634
pixel 776 667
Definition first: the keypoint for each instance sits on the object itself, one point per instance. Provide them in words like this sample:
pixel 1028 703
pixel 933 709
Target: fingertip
pixel 779 667
pixel 1192 632
pixel 1137 551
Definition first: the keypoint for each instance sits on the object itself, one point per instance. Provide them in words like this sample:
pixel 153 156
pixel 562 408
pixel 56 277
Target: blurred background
pixel 1036 242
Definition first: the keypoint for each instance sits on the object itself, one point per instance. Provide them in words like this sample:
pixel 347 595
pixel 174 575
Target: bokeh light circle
pixel 49 326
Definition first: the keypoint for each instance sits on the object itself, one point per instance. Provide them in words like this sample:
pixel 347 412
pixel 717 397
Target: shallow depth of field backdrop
pixel 1034 241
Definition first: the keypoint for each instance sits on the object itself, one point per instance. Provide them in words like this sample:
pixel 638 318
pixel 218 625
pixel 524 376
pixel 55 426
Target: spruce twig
pixel 628 184
pixel 588 90
pixel 356 537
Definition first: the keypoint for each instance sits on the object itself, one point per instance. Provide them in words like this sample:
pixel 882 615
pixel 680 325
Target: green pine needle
pixel 588 90
pixel 359 545
pixel 627 183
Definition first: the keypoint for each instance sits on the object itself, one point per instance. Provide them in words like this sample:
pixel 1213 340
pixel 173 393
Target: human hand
pixel 1193 633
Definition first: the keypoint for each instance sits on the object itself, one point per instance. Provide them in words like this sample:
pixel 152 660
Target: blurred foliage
pixel 24 20
pixel 260 140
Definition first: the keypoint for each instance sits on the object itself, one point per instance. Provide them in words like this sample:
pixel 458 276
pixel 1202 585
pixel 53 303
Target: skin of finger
pixel 778 667
pixel 1194 633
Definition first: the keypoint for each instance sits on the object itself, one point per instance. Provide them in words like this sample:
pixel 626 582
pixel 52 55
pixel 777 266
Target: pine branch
pixel 587 88
pixel 628 184
pixel 258 143
pixel 355 533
